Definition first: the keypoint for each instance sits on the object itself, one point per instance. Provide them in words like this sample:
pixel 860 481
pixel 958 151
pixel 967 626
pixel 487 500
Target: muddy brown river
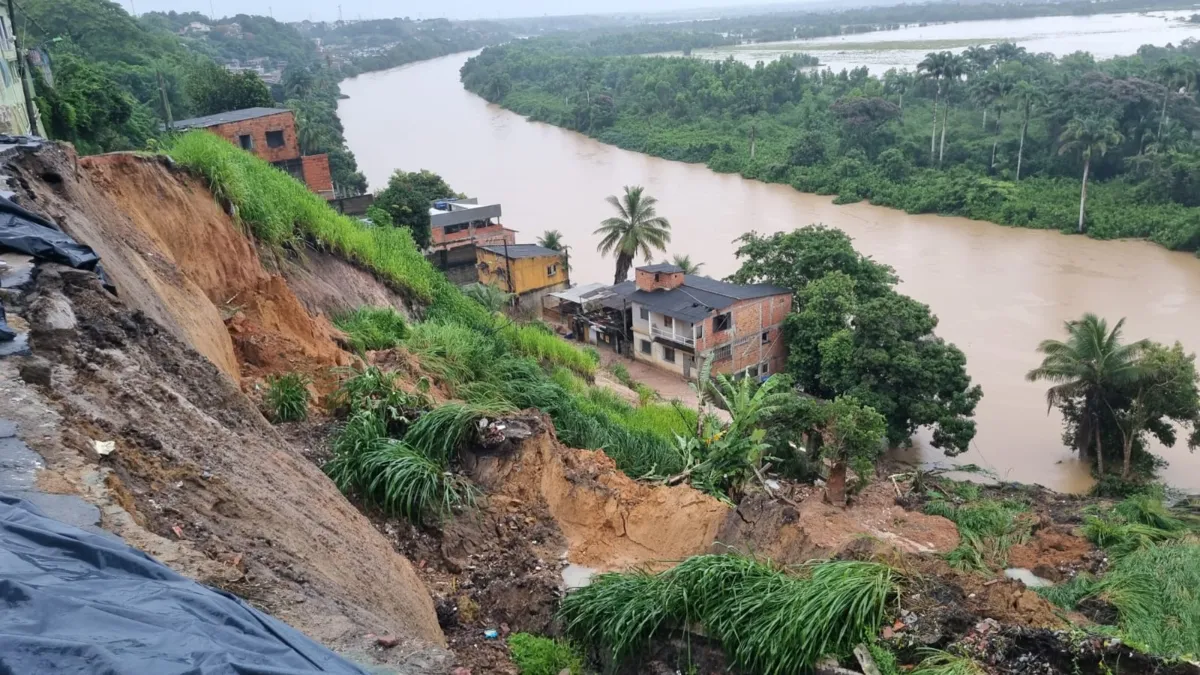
pixel 998 291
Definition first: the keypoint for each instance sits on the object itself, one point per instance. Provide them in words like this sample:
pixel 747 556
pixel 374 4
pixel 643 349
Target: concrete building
pixel 527 270
pixel 678 319
pixel 269 133
pixel 14 113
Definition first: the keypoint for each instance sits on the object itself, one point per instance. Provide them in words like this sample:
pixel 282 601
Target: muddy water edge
pixel 997 291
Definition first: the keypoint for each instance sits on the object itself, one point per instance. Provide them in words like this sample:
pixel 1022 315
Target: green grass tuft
pixel 439 433
pixel 988 528
pixel 535 655
pixel 937 662
pixel 1156 589
pixel 769 621
pixel 1136 523
pixel 372 328
pixel 287 397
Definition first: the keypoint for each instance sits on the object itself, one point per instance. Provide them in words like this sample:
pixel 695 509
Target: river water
pixel 997 290
pixel 1103 35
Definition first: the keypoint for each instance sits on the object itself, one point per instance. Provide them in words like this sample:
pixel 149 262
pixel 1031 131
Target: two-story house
pixel 679 319
pixel 528 271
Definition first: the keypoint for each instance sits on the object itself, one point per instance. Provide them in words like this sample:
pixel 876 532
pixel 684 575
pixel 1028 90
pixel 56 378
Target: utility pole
pixel 23 73
pixel 132 9
pixel 166 102
pixel 212 13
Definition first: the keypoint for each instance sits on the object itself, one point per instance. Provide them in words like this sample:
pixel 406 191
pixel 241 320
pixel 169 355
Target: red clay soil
pixel 272 332
pixel 1051 548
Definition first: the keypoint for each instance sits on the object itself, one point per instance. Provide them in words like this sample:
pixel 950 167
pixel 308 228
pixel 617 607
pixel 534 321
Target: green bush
pixel 372 328
pixel 287 397
pixel 771 621
pixel 536 655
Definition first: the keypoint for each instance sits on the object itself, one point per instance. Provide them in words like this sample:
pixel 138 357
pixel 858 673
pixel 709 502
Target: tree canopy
pixel 408 197
pixel 851 334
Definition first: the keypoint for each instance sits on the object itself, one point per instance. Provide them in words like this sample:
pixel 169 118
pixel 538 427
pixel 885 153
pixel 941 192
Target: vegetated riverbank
pixel 1005 146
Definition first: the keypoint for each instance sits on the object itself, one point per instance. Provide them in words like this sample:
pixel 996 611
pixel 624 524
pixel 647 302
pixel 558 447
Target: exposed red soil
pixel 271 330
pixel 1053 548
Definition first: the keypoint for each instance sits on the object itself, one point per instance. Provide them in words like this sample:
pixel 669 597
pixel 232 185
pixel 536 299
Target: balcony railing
pixel 656 331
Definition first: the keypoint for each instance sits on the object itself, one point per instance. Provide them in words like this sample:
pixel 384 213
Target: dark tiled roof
pixel 667 268
pixel 697 297
pixel 522 251
pixel 227 117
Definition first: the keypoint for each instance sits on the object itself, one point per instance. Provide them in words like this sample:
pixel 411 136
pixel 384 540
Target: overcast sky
pixel 297 10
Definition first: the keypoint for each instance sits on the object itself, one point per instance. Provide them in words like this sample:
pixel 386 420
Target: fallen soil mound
pixel 609 520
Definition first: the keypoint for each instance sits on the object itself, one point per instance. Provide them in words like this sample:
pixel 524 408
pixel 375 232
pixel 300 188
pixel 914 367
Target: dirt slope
pixel 198 478
pixel 271 330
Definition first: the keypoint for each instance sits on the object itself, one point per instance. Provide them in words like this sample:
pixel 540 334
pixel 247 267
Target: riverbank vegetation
pixel 994 134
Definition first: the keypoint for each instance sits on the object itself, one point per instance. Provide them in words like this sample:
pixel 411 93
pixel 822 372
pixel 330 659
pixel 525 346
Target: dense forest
pixel 386 43
pixel 993 133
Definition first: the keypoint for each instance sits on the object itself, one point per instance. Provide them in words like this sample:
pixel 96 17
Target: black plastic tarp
pixel 77 603
pixel 26 232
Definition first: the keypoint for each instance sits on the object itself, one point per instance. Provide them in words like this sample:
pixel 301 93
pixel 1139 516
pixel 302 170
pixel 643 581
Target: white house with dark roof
pixel 679 319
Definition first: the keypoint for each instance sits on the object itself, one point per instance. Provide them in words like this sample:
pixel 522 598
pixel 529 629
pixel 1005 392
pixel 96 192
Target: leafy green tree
pixel 853 435
pixel 637 228
pixel 1164 397
pixel 1086 370
pixel 212 90
pixel 1089 137
pixel 89 109
pixel 408 198
pixel 684 262
pixel 851 334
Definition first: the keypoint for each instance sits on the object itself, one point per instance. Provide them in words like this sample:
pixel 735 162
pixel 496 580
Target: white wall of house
pixel 647 325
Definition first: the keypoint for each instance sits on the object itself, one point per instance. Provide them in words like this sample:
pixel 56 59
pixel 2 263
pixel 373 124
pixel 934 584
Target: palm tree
pixel 997 88
pixel 933 67
pixel 1172 74
pixel 1086 369
pixel 551 239
pixel 952 72
pixel 1007 51
pixel 684 262
pixel 636 229
pixel 1027 95
pixel 1089 137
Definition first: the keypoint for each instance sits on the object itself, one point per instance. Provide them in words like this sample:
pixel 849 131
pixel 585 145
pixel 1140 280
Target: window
pixel 246 141
pixel 699 330
pixel 722 322
pixel 765 337
pixel 656 277
pixel 274 139
pixel 764 369
pixel 644 313
pixel 723 353
pixel 551 270
pixel 645 346
pixel 668 355
pixel 668 322
pixel 752 371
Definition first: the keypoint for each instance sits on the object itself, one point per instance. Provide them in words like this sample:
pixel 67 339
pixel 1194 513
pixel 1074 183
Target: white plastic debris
pixel 104 448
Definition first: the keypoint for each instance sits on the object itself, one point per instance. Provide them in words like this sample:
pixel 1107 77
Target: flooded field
pixel 1104 35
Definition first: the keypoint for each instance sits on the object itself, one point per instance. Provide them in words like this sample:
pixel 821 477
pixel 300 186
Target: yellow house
pixel 527 270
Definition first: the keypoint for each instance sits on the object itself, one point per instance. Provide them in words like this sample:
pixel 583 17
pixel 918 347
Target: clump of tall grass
pixel 372 328
pixel 1156 590
pixel 378 391
pixel 987 529
pixel 771 621
pixel 287 397
pixel 1069 594
pixel 536 655
pixel 441 432
pixel 1135 523
pixel 533 340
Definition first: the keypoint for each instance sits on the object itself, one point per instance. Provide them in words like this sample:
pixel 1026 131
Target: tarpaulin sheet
pixel 26 232
pixel 77 603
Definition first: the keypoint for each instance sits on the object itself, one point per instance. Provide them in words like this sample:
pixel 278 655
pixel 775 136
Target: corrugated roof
pixel 697 297
pixel 667 268
pixel 227 117
pixel 522 251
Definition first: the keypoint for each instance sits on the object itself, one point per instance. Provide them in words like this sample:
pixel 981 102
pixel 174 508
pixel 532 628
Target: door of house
pixel 689 362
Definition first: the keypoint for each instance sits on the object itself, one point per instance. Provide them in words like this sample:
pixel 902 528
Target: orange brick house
pixel 679 319
pixel 269 133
